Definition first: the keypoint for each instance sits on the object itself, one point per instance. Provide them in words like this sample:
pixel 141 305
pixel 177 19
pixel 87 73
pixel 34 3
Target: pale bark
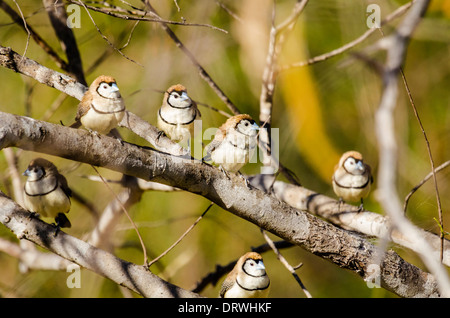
pixel 341 247
pixel 132 276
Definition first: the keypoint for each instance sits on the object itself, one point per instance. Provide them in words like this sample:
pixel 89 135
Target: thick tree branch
pixel 347 216
pixel 23 65
pixel 124 273
pixel 297 227
pixel 315 235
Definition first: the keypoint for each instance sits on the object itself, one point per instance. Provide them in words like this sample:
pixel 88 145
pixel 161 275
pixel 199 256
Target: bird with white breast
pixel 248 279
pixel 46 192
pixel 177 114
pixel 234 143
pixel 352 178
pixel 102 107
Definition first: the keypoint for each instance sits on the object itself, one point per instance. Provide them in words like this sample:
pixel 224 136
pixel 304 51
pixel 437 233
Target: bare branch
pixel 229 11
pixel 25 25
pixel 142 17
pixel 396 45
pixel 40 41
pixel 340 247
pixel 124 273
pixel 430 156
pixel 313 234
pixel 64 83
pixel 397 13
pixel 203 74
pixel 12 160
pixel 105 227
pixel 427 177
pixel 106 39
pixel 276 40
pixel 180 238
pixel 33 258
pixel 347 216
pixel 285 263
pixel 124 209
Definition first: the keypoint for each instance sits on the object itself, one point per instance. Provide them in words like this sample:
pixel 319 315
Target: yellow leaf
pixel 303 104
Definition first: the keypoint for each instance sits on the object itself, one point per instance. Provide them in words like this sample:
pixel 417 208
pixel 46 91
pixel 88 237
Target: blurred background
pixel 321 110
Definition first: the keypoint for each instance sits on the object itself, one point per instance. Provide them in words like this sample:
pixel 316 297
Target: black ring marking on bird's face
pixel 176 95
pixel 36 170
pixel 247 123
pixel 105 85
pixel 252 262
pixel 355 162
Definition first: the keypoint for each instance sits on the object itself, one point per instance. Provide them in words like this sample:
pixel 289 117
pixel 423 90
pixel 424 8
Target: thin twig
pixel 25 25
pixel 214 109
pixel 12 159
pixel 419 121
pixel 203 74
pixel 285 263
pixel 54 106
pixel 181 237
pixel 107 40
pixel 131 34
pixel 128 216
pixel 433 170
pixel 144 18
pixel 277 37
pixel 396 47
pixel 401 10
pixel 221 270
pixel 421 183
pixel 229 11
pixel 36 37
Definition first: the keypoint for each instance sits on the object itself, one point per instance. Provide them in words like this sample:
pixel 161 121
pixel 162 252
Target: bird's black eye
pixel 246 123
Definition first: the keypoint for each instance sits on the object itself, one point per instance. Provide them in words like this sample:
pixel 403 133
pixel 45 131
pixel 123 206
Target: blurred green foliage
pixel 321 110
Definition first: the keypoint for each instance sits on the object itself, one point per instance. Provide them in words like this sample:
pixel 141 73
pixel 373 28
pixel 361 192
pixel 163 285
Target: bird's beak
pixel 26 173
pixel 114 87
pixel 255 126
pixel 360 165
pixel 260 265
pixel 184 96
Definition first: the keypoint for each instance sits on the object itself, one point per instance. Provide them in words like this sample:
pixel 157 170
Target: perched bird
pixel 177 114
pixel 102 107
pixel 233 143
pixel 352 178
pixel 248 279
pixel 46 192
